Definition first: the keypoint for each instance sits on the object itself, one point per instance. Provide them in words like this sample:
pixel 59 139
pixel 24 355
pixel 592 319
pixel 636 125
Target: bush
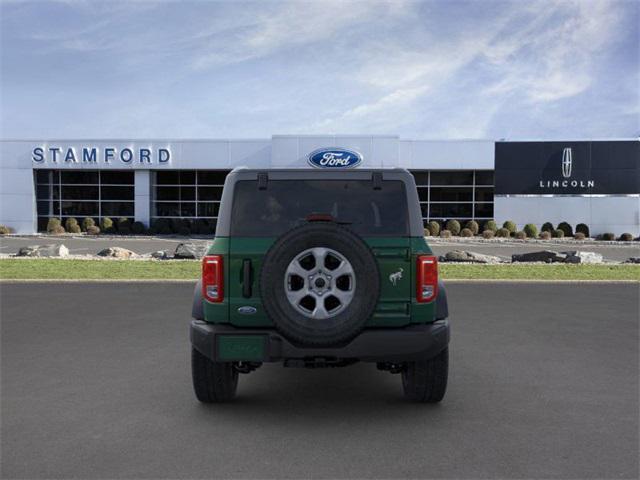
pixel 579 236
pixel 445 234
pixel 488 234
pixel 626 237
pixel 466 232
pixel 74 228
pixel 201 227
pixel 434 227
pixel 453 226
pixel 52 224
pixel 124 226
pixel 608 236
pixel 547 227
pixel 93 230
pixel 491 225
pixel 545 235
pixel 521 235
pixel 473 226
pixel 4 230
pixel 138 228
pixel 531 230
pixel 57 230
pixel 583 228
pixel 106 225
pixel 161 226
pixel 566 228
pixel 557 233
pixel 511 226
pixel 70 222
pixel 427 232
pixel 503 233
pixel 88 222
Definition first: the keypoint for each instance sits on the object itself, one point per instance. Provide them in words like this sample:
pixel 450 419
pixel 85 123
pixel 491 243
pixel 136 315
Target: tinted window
pixel 285 204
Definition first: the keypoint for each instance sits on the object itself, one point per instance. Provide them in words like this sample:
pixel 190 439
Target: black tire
pixel 426 381
pixel 344 325
pixel 213 382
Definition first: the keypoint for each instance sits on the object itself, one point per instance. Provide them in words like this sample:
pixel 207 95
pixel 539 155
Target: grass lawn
pixel 52 269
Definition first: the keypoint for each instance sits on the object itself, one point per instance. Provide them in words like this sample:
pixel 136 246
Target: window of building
pixel 457 194
pixel 79 194
pixel 191 194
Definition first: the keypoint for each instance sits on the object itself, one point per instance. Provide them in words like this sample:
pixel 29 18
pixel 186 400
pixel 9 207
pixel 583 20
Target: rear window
pixel 285 204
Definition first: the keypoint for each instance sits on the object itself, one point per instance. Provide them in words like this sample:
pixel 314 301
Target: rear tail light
pixel 426 278
pixel 213 278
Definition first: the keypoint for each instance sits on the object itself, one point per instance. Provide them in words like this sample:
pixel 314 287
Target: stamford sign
pixel 334 158
pixel 95 155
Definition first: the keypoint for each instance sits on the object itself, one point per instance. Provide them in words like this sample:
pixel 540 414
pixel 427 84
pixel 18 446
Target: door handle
pixel 247 281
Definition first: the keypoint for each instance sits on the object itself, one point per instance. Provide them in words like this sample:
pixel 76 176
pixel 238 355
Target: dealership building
pixel 596 182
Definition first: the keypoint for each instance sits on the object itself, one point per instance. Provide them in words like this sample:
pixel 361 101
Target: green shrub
pixel 124 226
pixel 4 230
pixel 445 234
pixel 57 230
pixel 626 237
pixel 531 230
pixel 547 227
pixel 608 236
pixel 557 233
pixel 52 224
pixel 427 232
pixel 453 226
pixel 521 235
pixel 201 227
pixel 74 228
pixel 566 228
pixel 545 235
pixel 579 236
pixel 106 225
pixel 510 225
pixel 162 226
pixel 488 234
pixel 138 228
pixel 69 223
pixel 491 225
pixel 473 226
pixel 434 227
pixel 466 232
pixel 87 222
pixel 93 230
pixel 583 228
pixel 503 233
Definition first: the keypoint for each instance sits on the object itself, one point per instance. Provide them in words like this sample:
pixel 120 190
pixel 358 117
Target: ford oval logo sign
pixel 334 158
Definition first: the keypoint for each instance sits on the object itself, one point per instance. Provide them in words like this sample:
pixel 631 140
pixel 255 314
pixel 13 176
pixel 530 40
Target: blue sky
pixel 423 70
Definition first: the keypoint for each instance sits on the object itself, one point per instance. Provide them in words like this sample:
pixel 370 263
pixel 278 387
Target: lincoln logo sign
pixel 567 166
pixel 93 155
pixel 334 158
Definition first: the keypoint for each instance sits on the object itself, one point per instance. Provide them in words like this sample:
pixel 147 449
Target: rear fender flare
pixel 442 308
pixel 197 310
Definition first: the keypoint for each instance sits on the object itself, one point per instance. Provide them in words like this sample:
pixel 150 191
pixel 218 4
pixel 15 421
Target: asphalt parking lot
pixel 96 384
pixel 141 245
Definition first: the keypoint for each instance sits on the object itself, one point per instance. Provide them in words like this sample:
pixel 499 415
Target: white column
pixel 143 196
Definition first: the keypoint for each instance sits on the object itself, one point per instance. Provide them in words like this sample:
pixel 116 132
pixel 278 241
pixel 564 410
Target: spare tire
pixel 319 284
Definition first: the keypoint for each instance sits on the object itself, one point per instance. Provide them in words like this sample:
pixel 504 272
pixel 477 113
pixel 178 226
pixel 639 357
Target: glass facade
pixel 87 193
pixel 188 194
pixel 455 194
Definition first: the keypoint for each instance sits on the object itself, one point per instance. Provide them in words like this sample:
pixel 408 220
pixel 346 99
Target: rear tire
pixel 426 381
pixel 213 382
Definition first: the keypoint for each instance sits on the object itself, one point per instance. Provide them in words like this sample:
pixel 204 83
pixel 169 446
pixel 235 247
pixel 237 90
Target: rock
pixel 160 255
pixel 190 250
pixel 52 250
pixel 632 260
pixel 116 252
pixel 582 257
pixel 468 257
pixel 546 256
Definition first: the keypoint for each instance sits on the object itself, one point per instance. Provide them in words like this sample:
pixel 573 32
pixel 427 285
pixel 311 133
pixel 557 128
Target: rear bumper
pixel 267 345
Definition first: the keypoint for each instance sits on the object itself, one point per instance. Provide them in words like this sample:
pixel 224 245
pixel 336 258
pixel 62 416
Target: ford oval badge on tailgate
pixel 334 158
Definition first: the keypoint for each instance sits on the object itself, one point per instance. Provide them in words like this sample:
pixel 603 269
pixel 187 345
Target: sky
pixel 420 70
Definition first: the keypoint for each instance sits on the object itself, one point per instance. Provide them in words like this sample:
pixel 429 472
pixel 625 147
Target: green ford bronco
pixel 319 268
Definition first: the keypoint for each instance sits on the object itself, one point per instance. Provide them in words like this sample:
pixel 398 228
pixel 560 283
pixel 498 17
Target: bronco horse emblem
pixel 394 277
